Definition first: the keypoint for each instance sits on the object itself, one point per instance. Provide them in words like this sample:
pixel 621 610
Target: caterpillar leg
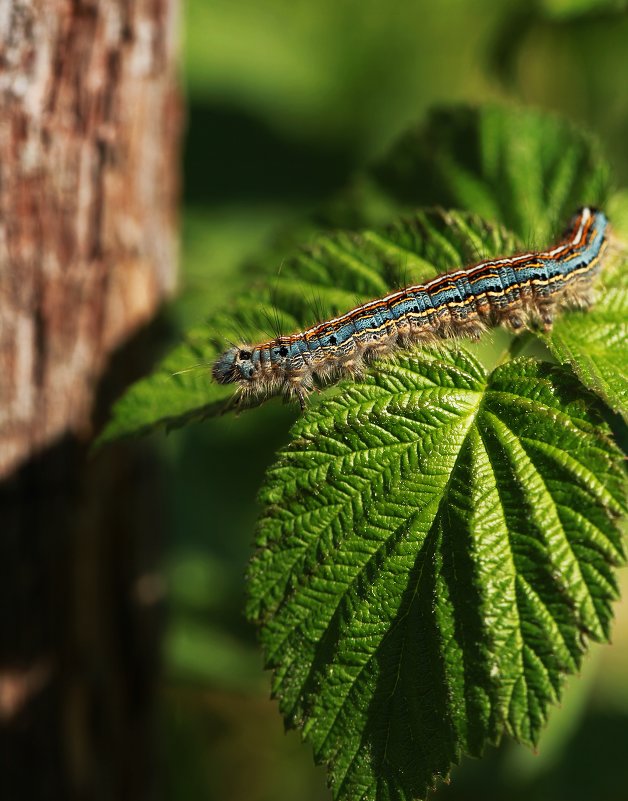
pixel 578 296
pixel 298 386
pixel 545 312
pixel 234 403
pixel 353 365
pixel 301 395
pixel 471 327
pixel 515 321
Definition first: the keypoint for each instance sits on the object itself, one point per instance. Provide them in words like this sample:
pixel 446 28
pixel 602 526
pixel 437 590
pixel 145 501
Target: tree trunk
pixel 89 134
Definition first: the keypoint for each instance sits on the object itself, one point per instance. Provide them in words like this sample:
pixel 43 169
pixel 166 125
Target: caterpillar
pixel 527 288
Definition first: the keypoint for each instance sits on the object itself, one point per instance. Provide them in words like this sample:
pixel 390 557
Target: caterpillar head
pixel 234 364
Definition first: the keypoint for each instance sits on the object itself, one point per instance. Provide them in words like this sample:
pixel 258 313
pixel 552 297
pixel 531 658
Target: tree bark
pixel 89 122
pixel 89 133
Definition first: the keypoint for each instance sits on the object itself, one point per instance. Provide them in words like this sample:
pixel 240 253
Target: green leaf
pixel 511 165
pixel 595 343
pixel 436 547
pixel 336 272
pixel 181 389
pixel 527 170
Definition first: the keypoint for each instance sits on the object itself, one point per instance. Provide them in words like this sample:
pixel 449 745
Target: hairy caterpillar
pixel 512 291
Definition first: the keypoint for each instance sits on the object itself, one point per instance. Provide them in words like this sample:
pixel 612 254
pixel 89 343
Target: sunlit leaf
pixel 437 546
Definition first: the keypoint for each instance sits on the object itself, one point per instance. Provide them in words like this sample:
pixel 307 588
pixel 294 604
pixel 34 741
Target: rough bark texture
pixel 89 129
pixel 88 126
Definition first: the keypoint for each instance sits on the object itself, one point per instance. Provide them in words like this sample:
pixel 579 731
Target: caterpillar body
pixel 513 291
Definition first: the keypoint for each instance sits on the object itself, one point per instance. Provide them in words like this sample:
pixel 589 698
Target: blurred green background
pixel 286 98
